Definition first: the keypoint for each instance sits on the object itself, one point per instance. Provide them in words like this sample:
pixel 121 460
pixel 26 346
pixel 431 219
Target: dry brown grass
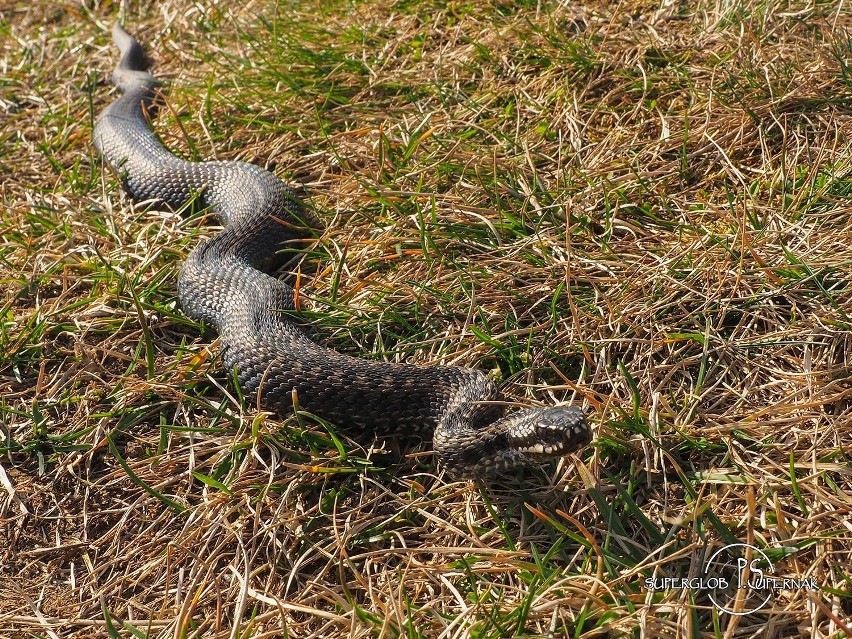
pixel 641 206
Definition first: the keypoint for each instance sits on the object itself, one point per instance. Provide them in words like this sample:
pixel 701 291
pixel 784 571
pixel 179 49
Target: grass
pixel 643 207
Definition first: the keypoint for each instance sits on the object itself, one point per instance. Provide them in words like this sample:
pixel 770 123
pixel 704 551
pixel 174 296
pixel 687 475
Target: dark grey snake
pixel 224 282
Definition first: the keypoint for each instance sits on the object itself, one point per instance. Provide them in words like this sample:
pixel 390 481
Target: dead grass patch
pixel 643 206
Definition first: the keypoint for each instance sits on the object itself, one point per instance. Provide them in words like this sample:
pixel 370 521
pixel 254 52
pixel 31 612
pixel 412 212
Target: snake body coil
pixel 224 282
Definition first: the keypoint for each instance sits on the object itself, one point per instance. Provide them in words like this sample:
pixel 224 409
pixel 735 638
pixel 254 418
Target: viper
pixel 226 282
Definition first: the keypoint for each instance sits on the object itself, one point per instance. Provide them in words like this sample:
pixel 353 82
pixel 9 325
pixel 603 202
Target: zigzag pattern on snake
pixel 225 282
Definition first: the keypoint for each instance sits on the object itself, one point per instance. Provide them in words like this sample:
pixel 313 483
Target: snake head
pixel 522 438
pixel 537 433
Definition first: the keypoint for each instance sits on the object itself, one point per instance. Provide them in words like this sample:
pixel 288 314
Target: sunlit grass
pixel 643 208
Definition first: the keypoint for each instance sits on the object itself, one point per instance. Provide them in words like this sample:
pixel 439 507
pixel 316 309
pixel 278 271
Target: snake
pixel 228 281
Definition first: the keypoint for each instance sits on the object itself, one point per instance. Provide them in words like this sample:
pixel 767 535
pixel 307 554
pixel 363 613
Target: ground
pixel 638 207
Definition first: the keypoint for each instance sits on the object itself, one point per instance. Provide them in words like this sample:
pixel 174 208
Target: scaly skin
pixel 223 282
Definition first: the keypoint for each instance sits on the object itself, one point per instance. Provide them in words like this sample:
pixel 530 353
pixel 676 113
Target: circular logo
pixel 739 576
